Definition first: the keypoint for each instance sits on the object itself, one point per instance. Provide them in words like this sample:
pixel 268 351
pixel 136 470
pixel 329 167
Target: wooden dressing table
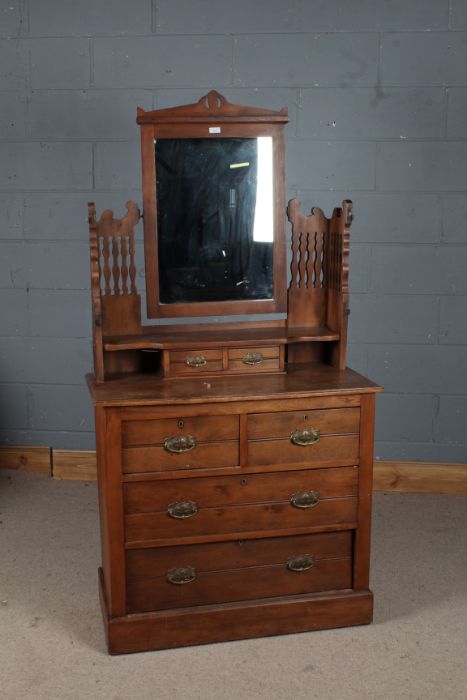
pixel 234 459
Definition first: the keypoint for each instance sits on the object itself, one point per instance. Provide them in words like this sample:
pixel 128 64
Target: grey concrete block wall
pixel 377 95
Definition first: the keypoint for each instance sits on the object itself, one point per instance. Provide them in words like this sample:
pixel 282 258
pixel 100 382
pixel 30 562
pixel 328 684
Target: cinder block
pixel 318 165
pixel 451 421
pixel 12 265
pixel 61 408
pixel 208 17
pixel 44 360
pixel 383 217
pixel 89 17
pixel 454 226
pixel 457 111
pixel 453 321
pixel 91 114
pixel 419 269
pixel 117 166
pixel 357 357
pixel 11 216
pixel 306 59
pixel 420 452
pixel 359 268
pixel 9 65
pixel 64 216
pixel 13 406
pixel 56 439
pixel 57 265
pixel 12 122
pixel 10 18
pixel 366 113
pixel 60 313
pixel 433 58
pixel 419 369
pixel 45 166
pixel 373 15
pixel 14 305
pixel 60 63
pixel 458 14
pixel 404 417
pixel 13 360
pixel 161 61
pixel 393 318
pixel 436 166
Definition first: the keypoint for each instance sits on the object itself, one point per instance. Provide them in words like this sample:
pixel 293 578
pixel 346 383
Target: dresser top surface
pixel 299 381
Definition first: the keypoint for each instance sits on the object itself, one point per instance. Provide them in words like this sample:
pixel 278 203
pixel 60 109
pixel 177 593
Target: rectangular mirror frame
pixel 211 117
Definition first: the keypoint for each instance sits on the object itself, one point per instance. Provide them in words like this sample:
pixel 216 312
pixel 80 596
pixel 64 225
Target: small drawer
pixel 262 359
pixel 331 421
pixel 190 442
pixel 184 508
pixel 204 574
pixel 187 362
pixel 322 437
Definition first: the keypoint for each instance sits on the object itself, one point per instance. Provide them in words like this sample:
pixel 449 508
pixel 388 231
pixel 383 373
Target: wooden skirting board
pixel 402 477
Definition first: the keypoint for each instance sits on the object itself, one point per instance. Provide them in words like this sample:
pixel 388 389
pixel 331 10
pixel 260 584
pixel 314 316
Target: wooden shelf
pixel 174 339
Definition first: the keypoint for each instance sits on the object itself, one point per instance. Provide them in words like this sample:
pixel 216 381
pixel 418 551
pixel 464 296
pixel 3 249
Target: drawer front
pixel 158 459
pixel 262 359
pixel 180 443
pixel 253 503
pixel 202 428
pixel 197 361
pixel 209 492
pixel 241 570
pixel 334 421
pixel 327 451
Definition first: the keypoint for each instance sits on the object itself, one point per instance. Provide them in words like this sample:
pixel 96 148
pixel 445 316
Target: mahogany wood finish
pixel 234 460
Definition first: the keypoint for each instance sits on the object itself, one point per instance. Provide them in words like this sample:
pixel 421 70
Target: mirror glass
pixel 214 219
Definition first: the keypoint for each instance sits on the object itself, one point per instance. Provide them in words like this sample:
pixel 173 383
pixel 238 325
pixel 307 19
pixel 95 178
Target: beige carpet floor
pixel 52 642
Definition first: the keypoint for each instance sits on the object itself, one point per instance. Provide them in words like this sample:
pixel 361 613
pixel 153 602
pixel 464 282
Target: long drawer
pixel 186 442
pixel 203 574
pixel 252 502
pixel 323 437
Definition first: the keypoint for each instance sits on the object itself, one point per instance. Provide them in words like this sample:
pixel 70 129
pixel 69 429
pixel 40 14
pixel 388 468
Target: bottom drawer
pixel 204 574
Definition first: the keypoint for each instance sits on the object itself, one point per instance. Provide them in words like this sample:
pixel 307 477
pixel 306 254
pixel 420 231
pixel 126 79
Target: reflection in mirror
pixel 215 219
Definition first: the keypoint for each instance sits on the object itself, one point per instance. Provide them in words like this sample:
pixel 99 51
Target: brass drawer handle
pixel 307 436
pixel 305 499
pixel 185 574
pixel 182 509
pixel 252 358
pixel 196 361
pixel 300 562
pixel 180 443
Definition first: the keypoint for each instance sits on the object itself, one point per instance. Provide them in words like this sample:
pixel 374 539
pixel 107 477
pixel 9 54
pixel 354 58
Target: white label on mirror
pixel 214 130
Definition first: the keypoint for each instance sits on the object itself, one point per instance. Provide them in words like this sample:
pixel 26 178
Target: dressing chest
pixel 234 456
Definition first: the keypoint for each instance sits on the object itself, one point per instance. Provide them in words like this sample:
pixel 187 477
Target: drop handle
pixel 181 575
pixel 300 562
pixel 305 499
pixel 196 361
pixel 180 443
pixel 253 358
pixel 304 437
pixel 180 510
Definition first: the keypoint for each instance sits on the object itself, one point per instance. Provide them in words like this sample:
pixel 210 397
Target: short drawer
pixel 262 359
pixel 197 361
pixel 191 442
pixel 331 421
pixel 203 574
pixel 254 502
pixel 322 437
